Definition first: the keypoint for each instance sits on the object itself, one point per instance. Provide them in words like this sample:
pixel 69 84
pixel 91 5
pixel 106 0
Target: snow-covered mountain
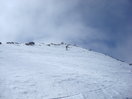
pixel 51 72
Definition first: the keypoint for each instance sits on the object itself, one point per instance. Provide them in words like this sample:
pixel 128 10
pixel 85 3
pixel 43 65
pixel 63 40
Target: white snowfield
pixel 51 72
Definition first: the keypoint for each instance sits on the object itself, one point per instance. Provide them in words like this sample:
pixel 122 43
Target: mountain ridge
pixel 51 72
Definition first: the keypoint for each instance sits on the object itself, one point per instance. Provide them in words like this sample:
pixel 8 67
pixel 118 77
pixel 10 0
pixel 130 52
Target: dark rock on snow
pixel 30 43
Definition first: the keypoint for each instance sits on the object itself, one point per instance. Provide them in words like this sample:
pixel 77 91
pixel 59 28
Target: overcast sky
pixel 102 25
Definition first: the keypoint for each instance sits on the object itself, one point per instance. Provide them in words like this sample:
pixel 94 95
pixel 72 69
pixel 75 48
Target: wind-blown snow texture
pixel 51 72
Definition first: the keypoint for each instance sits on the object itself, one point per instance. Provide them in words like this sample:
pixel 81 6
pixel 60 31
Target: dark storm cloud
pixel 114 19
pixel 103 25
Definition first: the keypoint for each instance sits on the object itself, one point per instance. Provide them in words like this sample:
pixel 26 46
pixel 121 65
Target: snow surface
pixel 51 72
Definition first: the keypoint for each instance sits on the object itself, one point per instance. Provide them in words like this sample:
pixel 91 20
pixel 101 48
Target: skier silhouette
pixel 67 46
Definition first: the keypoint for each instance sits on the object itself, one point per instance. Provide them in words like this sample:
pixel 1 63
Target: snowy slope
pixel 43 72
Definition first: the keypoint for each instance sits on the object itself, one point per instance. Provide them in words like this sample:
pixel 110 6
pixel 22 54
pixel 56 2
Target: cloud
pixel 42 19
pixel 103 25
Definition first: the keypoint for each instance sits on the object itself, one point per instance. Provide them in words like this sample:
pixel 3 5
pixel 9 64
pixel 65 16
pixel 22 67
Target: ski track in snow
pixel 43 72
